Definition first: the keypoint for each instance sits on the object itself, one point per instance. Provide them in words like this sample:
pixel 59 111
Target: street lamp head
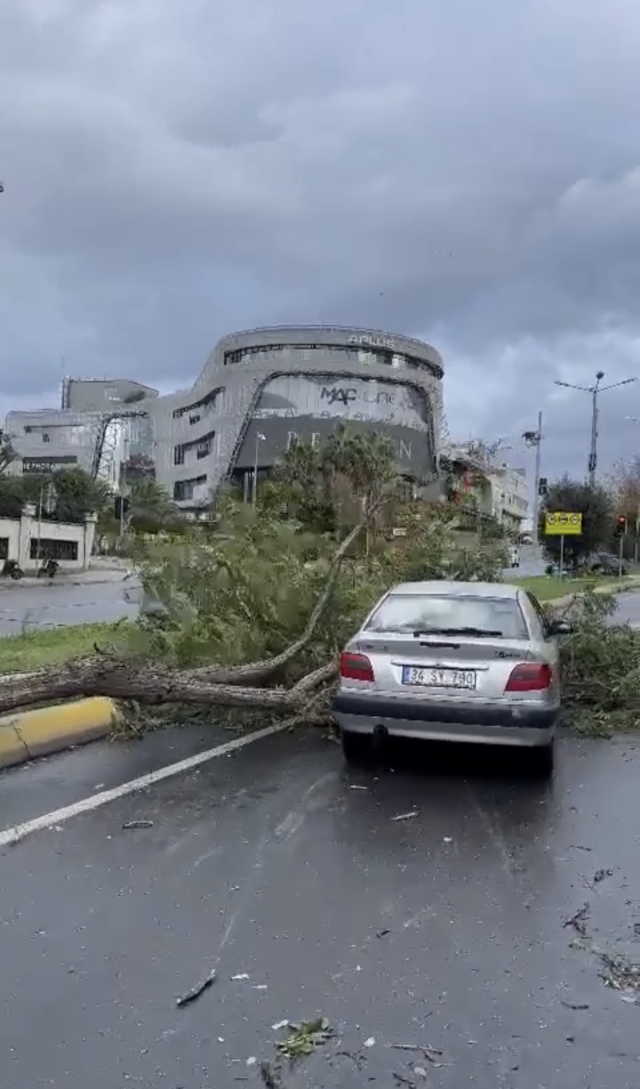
pixel 599 376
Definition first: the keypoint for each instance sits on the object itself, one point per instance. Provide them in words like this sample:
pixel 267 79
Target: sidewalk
pixel 95 576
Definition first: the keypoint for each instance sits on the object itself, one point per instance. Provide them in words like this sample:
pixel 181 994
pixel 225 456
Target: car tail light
pixel 529 677
pixel 356 667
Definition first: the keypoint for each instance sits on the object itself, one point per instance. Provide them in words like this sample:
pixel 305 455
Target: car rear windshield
pixel 424 612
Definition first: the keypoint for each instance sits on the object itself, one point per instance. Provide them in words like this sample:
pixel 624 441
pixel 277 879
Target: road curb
pixel 29 734
pixel 45 584
pixel 615 590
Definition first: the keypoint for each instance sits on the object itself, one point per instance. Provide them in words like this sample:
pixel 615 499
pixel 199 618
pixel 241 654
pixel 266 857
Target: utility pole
pixel 534 438
pixel 594 390
pixel 254 493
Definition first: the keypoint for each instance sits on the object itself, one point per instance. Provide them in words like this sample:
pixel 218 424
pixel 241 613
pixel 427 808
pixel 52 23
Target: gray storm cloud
pixel 469 173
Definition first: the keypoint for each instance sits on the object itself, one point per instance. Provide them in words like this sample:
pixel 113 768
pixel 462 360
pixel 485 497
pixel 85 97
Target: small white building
pixel 28 540
pixel 509 496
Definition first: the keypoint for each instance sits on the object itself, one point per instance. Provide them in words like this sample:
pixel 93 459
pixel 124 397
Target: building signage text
pixel 365 340
pixel 404 449
pixel 337 395
pixel 46 465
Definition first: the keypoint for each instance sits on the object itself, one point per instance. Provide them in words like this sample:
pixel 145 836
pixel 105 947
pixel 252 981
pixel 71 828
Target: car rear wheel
pixel 356 748
pixel 543 762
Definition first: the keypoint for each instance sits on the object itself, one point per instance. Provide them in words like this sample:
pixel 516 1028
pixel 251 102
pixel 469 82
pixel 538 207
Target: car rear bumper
pixel 431 721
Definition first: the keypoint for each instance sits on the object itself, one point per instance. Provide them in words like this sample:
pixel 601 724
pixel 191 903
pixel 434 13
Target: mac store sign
pixel 300 408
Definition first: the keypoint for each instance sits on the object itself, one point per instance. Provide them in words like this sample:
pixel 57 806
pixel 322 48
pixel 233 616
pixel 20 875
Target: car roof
pixel 457 589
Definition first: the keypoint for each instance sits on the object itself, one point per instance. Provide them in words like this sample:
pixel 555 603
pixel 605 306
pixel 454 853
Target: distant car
pixel 453 661
pixel 606 563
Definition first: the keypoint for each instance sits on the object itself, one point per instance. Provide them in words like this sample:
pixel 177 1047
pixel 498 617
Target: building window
pixel 307 353
pixel 184 489
pixel 207 403
pixel 202 448
pixel 52 548
pixel 45 437
pixel 4 548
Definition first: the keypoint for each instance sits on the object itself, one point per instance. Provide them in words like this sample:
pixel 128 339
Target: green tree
pixel 150 508
pixel 325 486
pixel 8 452
pixel 596 507
pixel 78 494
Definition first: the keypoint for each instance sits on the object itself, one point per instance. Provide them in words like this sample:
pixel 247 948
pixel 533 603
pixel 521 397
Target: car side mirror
pixel 560 627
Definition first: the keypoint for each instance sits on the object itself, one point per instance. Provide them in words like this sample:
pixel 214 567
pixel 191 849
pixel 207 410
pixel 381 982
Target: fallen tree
pixel 258 606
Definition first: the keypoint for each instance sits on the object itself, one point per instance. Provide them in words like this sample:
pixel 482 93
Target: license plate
pixel 439 678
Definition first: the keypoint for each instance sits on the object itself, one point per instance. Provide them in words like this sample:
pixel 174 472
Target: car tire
pixel 544 761
pixel 356 748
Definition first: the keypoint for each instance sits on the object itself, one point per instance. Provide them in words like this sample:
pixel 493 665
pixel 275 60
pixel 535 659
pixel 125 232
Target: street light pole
pixel 594 391
pixel 254 491
pixel 534 438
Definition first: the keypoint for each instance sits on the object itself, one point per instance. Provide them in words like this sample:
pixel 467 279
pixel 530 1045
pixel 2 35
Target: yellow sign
pixel 563 524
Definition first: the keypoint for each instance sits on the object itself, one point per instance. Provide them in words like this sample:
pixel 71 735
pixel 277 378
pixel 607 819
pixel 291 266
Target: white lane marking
pixel 19 831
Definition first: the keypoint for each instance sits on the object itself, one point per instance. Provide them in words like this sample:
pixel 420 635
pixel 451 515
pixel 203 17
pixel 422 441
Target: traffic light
pixel 621 525
pixel 543 486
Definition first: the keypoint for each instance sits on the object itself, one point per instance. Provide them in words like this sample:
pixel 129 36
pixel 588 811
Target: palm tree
pixel 150 505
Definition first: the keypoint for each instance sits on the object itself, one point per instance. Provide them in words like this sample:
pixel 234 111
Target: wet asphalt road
pixel 61 603
pixel 628 609
pixel 445 929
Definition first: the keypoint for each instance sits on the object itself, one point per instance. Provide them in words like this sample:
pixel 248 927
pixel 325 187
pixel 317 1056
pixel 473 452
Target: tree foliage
pixel 150 509
pixel 7 451
pixel 595 505
pixel 324 487
pixel 78 494
pixel 625 488
pixel 600 667
pixel 263 598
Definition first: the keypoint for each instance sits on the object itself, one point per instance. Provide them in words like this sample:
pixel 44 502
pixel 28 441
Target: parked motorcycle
pixel 12 570
pixel 48 570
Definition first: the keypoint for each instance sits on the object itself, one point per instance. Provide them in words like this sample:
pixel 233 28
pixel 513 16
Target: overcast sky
pixel 461 171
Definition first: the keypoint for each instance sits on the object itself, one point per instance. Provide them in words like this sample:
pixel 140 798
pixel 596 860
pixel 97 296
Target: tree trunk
pixel 151 685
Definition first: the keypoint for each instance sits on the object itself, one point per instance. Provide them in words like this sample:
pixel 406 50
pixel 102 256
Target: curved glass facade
pixel 297 355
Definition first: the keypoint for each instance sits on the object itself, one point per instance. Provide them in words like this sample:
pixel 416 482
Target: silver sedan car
pixel 453 661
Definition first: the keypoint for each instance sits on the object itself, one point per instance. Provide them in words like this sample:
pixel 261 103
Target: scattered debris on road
pixel 431 1054
pixel 619 973
pixel 382 933
pixel 406 816
pixel 600 875
pixel 191 996
pixel 574 1005
pixel 304 1038
pixel 579 920
pixel 239 976
pixel 136 824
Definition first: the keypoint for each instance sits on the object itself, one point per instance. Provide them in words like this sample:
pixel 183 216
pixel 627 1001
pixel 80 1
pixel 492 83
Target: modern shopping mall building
pixel 259 391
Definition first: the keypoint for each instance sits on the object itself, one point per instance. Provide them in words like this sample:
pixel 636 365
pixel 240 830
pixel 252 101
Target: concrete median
pixel 28 734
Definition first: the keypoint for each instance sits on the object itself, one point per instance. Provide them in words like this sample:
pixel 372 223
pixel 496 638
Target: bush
pixel 600 668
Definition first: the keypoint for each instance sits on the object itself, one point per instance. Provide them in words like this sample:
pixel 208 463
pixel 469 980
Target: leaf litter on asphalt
pixel 304 1038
